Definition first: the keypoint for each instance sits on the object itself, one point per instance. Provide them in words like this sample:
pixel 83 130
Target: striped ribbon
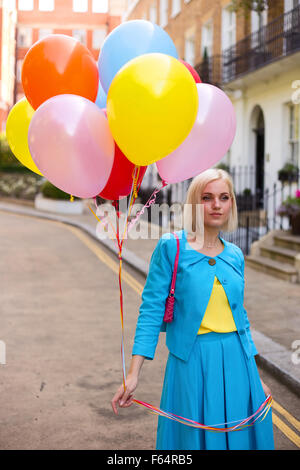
pixel 229 426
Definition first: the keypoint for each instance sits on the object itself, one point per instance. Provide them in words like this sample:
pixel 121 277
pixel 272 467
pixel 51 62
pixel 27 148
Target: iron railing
pixel 256 219
pixel 257 207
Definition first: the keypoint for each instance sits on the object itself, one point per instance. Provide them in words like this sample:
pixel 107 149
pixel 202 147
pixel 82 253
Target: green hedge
pixel 8 162
pixel 49 190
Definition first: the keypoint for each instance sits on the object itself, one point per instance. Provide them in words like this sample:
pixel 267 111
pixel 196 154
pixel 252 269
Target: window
pixel 153 14
pixel 46 5
pixel 19 70
pixel 80 35
pixel 24 36
pixel 100 6
pixel 228 28
pixel 207 38
pixel 176 7
pixel 163 13
pixel 25 5
pixel 80 6
pixel 258 21
pixel 189 49
pixel 98 38
pixel 293 132
pixel 43 32
pixel 290 5
pixel 10 4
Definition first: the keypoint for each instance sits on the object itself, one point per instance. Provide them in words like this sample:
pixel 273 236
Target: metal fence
pixel 257 214
pixel 257 208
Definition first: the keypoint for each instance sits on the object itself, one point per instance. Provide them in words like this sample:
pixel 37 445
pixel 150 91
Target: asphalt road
pixel 61 327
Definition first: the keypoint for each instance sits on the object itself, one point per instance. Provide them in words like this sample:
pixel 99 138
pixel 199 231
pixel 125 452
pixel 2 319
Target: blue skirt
pixel 217 384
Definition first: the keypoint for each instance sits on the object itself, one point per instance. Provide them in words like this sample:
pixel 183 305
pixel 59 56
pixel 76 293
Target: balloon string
pixel 133 196
pixel 134 193
pixel 105 217
pixel 261 412
pixel 150 201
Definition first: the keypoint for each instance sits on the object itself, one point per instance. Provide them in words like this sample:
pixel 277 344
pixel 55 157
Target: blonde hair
pixel 193 197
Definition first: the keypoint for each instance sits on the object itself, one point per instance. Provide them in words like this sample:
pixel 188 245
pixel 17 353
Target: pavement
pixel 273 305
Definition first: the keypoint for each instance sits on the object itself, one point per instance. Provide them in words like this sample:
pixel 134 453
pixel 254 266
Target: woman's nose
pixel 216 203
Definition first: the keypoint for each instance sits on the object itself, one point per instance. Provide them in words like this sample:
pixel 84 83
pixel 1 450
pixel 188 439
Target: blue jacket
pixel 194 283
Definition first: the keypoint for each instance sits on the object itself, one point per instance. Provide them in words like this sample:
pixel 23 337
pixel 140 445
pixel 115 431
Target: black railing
pixel 210 70
pixel 257 218
pixel 257 206
pixel 279 38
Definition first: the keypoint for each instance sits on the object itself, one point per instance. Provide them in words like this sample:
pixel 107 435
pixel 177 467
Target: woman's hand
pixel 266 388
pixel 125 398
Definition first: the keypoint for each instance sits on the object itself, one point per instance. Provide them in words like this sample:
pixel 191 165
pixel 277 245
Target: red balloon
pixel 120 180
pixel 192 70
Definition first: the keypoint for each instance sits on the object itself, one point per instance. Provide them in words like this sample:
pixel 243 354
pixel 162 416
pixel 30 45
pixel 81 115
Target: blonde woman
pixel 211 375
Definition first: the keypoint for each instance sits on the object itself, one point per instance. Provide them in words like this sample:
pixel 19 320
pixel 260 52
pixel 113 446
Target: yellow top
pixel 218 315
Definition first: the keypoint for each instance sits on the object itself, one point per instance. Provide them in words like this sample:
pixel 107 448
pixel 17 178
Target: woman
pixel 211 375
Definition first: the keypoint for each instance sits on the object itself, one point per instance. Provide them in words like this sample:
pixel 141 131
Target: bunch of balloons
pixel 86 125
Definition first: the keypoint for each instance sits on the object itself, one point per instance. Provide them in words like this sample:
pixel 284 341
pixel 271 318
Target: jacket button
pixel 242 331
pixel 234 306
pixel 211 261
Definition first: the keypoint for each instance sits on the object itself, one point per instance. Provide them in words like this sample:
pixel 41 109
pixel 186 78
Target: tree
pixel 249 5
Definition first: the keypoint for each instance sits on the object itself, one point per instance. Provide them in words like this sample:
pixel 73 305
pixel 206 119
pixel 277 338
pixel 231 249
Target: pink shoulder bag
pixel 169 309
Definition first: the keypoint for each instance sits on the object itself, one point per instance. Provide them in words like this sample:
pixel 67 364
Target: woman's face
pixel 216 199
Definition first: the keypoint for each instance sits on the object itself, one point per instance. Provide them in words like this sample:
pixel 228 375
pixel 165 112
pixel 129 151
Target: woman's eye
pixel 207 197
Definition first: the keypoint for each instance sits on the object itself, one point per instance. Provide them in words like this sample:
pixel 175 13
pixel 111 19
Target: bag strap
pixel 172 290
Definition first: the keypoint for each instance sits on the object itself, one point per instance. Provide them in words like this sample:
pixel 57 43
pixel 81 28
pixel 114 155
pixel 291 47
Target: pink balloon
pixel 71 144
pixel 208 141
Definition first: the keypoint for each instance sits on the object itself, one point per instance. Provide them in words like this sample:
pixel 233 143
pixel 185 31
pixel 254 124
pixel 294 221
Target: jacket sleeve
pixel 247 323
pixel 154 295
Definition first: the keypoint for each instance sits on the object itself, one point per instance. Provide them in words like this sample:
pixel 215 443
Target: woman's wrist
pixel 135 366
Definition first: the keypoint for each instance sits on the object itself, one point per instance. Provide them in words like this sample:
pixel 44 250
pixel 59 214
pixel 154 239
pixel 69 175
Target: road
pixel 61 326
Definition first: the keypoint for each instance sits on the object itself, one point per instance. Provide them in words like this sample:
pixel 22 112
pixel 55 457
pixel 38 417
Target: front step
pixel 287 241
pixel 275 268
pixel 279 253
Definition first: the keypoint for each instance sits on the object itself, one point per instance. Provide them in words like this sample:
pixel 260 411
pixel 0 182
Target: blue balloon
pixel 101 97
pixel 127 41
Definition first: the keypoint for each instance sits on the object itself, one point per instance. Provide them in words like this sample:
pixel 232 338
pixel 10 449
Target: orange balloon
pixel 59 64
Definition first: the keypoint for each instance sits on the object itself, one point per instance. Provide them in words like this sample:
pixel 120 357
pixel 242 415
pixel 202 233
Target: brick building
pixel 196 24
pixel 89 21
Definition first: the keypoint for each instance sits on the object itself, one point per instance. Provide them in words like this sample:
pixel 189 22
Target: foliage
pixel 8 162
pixel 291 206
pixel 289 172
pixel 49 190
pixel 246 6
pixel 223 166
pixel 247 192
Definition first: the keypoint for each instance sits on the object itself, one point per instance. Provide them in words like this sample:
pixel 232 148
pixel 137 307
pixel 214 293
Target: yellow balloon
pixel 17 125
pixel 152 104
